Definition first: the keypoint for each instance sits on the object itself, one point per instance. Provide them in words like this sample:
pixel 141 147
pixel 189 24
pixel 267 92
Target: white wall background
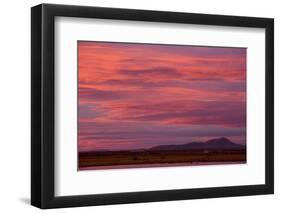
pixel 15 105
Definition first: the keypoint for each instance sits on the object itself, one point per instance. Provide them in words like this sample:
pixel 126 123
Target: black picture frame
pixel 43 102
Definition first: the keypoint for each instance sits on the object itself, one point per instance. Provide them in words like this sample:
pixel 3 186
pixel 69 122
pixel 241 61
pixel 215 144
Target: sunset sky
pixel 140 95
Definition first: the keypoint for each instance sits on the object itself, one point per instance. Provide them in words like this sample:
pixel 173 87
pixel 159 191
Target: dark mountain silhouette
pixel 217 144
pixel 213 144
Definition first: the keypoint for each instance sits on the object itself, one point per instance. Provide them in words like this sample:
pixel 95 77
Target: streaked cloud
pixel 141 95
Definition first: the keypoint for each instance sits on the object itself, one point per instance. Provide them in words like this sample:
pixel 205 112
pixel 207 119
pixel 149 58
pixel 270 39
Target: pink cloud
pixel 166 85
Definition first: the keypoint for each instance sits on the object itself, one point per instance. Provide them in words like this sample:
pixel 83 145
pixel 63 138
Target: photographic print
pixel 134 94
pixel 157 105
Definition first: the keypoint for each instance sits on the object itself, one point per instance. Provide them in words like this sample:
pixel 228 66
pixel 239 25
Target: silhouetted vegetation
pixel 111 158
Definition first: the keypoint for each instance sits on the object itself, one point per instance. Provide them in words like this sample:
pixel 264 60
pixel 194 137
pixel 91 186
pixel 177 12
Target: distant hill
pixel 213 144
pixel 217 144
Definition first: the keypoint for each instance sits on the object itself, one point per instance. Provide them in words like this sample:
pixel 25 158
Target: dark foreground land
pixel 117 158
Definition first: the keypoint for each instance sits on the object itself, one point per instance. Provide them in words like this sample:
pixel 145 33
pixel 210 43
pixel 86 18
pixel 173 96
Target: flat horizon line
pixel 149 148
